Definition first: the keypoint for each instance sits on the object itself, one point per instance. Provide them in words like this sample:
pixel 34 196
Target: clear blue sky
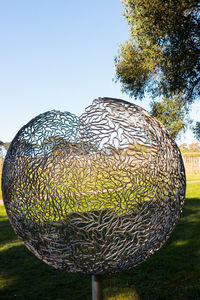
pixel 58 55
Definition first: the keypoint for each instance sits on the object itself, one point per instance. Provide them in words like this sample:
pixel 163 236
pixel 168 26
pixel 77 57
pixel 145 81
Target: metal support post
pixel 97 293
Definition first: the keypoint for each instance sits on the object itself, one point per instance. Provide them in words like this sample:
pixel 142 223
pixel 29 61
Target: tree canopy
pixel 196 130
pixel 172 114
pixel 162 57
pixel 191 148
pixel 162 54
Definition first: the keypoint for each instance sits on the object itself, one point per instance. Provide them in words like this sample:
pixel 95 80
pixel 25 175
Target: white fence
pixel 192 164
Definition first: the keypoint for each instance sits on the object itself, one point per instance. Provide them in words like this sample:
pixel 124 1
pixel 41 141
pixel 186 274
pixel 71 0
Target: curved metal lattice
pixel 94 194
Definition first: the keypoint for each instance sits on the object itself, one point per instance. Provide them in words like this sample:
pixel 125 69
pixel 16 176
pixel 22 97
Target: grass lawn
pixel 192 176
pixel 171 273
pixel 0 187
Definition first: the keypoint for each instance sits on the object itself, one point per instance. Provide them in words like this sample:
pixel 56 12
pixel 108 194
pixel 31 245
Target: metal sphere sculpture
pixel 97 193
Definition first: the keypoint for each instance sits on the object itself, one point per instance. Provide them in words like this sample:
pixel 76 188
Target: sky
pixel 60 55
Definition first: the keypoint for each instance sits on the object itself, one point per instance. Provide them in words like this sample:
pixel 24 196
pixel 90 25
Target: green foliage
pixel 171 113
pixel 162 56
pixel 163 50
pixel 196 130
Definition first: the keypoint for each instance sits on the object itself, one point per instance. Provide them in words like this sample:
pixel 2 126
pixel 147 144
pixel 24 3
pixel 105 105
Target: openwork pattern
pixel 97 193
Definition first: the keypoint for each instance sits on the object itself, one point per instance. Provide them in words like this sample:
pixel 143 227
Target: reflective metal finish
pixel 97 291
pixel 97 193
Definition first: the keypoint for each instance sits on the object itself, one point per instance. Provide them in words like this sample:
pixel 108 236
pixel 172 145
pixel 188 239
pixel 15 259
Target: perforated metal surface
pixel 97 193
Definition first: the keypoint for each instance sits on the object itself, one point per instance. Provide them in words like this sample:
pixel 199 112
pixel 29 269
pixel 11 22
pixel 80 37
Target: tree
pixel 164 48
pixel 6 145
pixel 162 54
pixel 196 130
pixel 194 147
pixel 171 113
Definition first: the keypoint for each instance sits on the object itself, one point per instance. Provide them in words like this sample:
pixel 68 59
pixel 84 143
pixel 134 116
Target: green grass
pixel 0 186
pixel 171 273
pixel 193 190
pixel 192 176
